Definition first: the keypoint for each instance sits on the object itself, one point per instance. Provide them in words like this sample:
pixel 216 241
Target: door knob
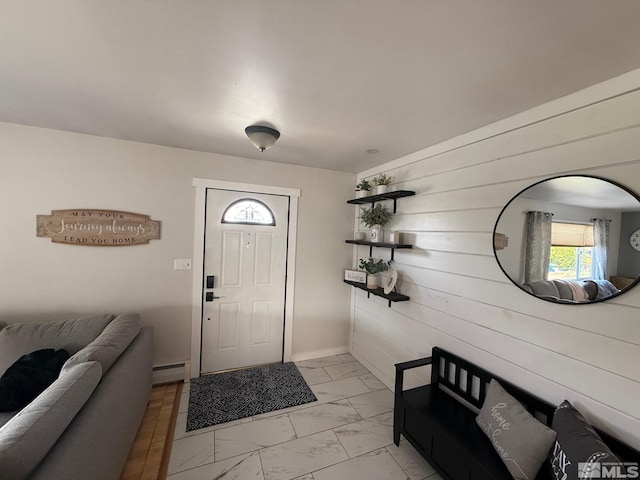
pixel 209 297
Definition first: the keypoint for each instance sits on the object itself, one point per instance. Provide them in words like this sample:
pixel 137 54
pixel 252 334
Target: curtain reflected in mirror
pixel 566 239
pixel 538 246
pixel 600 248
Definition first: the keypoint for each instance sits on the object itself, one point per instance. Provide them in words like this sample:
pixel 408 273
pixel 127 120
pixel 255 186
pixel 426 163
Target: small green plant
pixel 364 185
pixel 376 215
pixel 382 179
pixel 374 265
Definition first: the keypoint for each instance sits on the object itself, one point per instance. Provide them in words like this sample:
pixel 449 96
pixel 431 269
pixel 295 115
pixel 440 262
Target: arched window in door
pixel 248 211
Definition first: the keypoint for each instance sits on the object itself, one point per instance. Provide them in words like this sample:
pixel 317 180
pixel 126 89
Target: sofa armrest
pixel 110 344
pixel 96 444
pixel 28 436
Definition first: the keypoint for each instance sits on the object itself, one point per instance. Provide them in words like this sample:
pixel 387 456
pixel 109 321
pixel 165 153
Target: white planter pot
pixel 380 189
pixel 377 234
pixel 372 281
pixel 362 193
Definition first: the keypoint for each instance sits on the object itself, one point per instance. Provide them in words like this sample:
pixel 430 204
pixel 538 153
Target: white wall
pixel 43 170
pixel 628 259
pixel 461 300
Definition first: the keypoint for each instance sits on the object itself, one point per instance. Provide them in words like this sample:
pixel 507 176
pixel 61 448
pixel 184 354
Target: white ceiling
pixel 336 77
pixel 580 191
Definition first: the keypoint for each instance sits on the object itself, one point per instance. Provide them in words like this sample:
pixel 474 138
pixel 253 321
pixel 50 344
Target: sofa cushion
pixel 564 290
pixel 591 288
pixel 29 376
pixel 545 288
pixel 18 339
pixel 113 340
pixel 28 436
pixel 577 443
pixel 6 416
pixel 605 289
pixel 522 442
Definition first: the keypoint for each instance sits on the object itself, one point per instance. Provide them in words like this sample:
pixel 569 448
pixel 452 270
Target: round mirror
pixel 571 239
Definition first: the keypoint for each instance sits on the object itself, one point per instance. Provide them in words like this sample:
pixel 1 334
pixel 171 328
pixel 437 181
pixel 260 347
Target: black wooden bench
pixel 443 429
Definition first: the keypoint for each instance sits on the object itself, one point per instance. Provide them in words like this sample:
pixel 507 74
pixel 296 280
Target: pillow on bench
pixel 522 442
pixel 577 443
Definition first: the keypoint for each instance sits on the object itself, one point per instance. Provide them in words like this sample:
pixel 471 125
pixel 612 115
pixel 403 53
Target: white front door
pixel 244 303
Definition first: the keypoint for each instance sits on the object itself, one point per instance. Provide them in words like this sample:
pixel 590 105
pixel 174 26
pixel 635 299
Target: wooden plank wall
pixel 461 300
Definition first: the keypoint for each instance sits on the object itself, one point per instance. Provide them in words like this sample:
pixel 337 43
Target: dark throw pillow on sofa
pixel 577 443
pixel 29 376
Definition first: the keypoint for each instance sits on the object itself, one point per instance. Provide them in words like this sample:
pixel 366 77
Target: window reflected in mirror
pixel 571 251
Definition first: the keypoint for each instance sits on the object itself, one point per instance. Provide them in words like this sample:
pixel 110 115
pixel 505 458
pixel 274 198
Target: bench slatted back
pixel 473 388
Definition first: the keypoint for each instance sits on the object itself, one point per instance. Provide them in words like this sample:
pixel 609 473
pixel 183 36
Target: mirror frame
pixel 504 239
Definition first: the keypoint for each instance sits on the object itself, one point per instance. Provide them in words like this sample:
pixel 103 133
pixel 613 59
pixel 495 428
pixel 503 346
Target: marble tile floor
pixel 346 434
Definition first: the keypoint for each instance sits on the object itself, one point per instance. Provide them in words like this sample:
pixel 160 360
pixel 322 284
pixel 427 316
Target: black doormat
pixel 229 396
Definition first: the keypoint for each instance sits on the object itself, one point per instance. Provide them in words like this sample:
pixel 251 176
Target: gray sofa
pixel 83 425
pixel 561 291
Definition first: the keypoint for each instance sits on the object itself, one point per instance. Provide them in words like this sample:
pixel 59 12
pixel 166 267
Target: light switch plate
pixel 182 264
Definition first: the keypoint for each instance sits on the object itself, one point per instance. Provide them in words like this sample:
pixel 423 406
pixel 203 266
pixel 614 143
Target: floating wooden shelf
pixel 379 292
pixel 380 245
pixel 392 297
pixel 392 246
pixel 383 196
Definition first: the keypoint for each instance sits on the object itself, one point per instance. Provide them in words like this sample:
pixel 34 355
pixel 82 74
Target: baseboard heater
pixel 168 366
pixel 172 372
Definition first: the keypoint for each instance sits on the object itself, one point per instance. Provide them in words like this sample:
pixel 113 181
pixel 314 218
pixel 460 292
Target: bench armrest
pixel 421 362
pixel 401 367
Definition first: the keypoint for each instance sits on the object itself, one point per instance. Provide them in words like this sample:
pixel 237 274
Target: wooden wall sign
pixel 100 228
pixel 355 276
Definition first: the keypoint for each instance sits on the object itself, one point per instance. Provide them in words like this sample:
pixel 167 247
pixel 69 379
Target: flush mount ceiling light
pixel 262 137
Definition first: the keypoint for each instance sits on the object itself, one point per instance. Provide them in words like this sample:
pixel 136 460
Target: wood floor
pixel 149 456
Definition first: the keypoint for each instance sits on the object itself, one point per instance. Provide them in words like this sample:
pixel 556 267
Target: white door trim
pixel 201 185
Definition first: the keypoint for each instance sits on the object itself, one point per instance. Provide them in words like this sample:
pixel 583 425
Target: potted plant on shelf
pixel 375 218
pixel 373 266
pixel 382 183
pixel 363 188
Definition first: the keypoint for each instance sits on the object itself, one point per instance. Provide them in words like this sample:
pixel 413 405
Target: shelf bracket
pixel 394 204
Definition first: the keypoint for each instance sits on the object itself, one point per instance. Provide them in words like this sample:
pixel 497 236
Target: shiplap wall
pixel 461 300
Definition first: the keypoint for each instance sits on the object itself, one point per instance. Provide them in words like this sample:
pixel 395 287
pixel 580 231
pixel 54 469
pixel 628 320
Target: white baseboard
pixel 298 357
pixel 181 372
pixel 388 382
